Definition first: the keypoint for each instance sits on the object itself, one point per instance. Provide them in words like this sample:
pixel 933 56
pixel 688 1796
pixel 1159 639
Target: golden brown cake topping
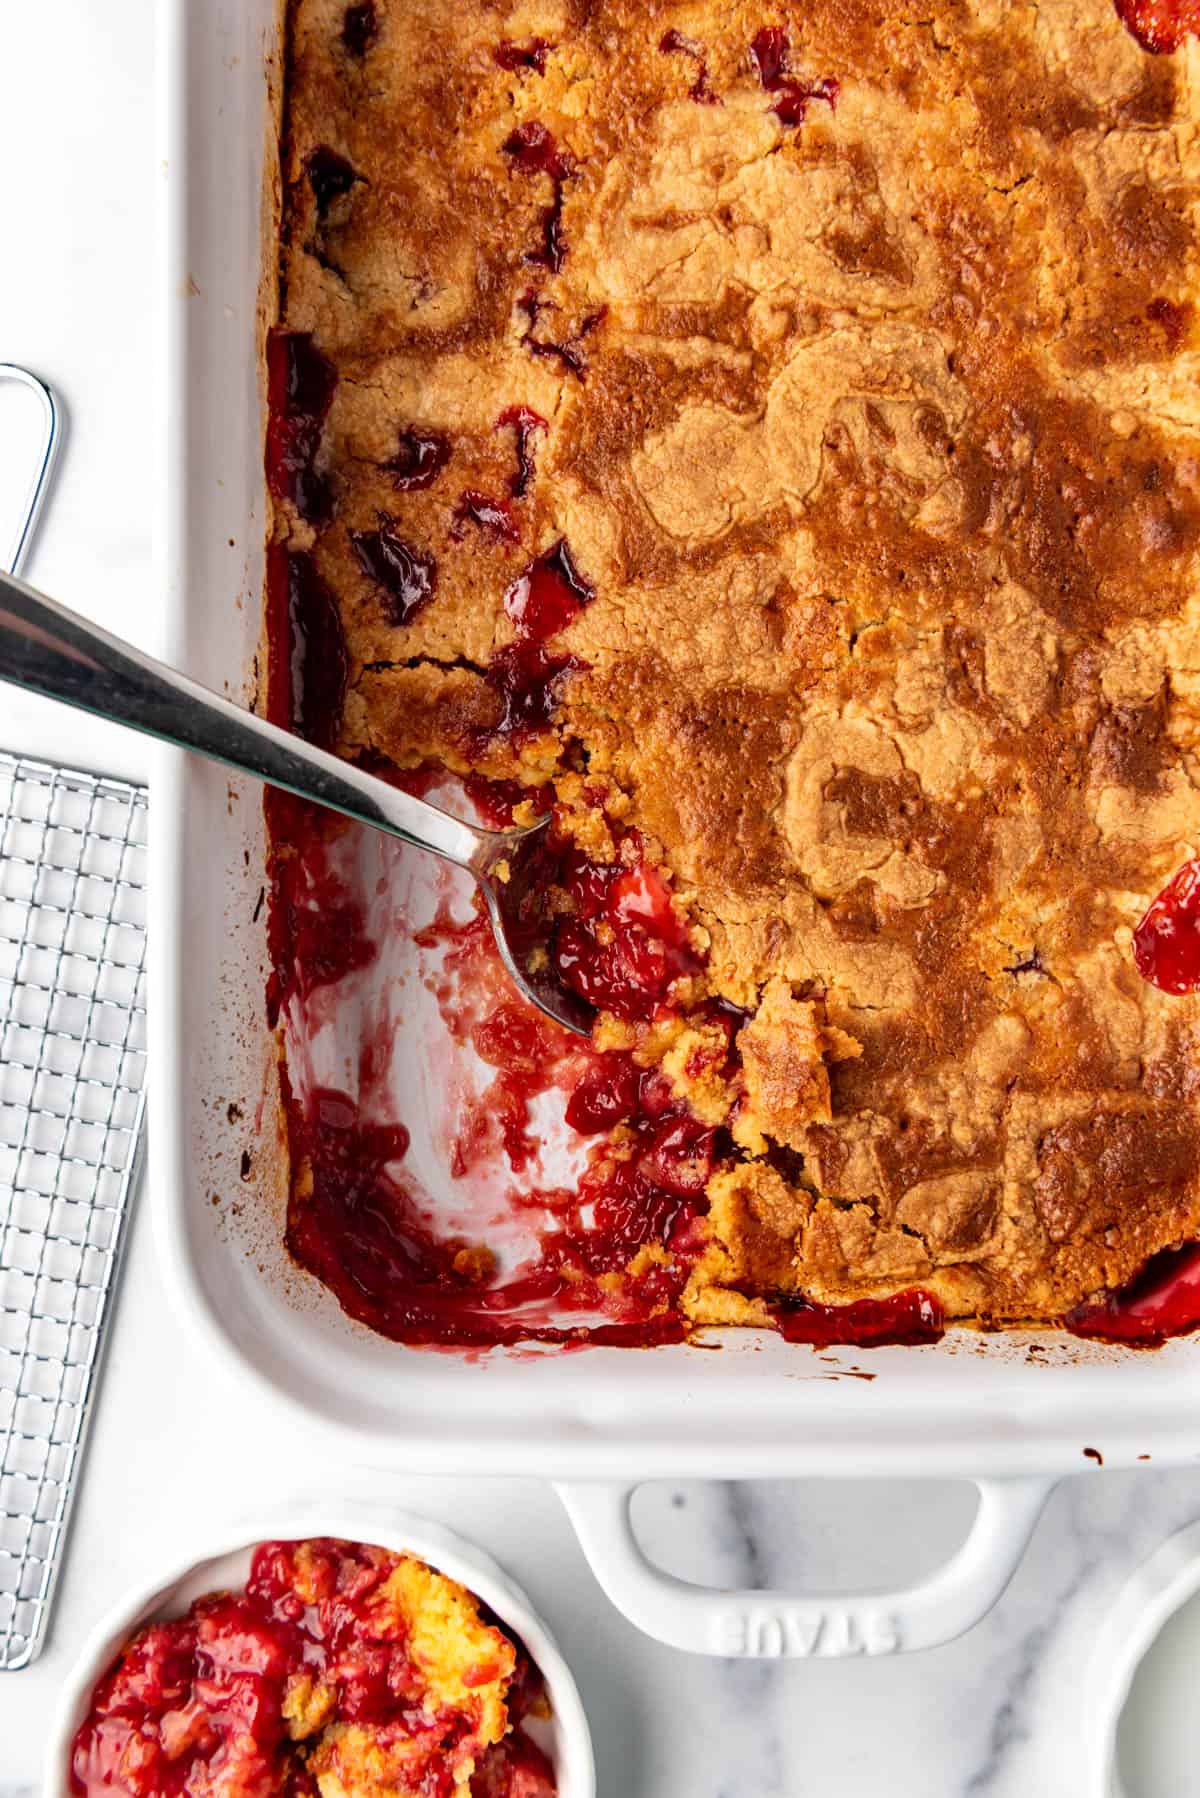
pixel 787 417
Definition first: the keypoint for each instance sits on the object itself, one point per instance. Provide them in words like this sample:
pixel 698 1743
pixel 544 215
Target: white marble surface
pixel 999 1713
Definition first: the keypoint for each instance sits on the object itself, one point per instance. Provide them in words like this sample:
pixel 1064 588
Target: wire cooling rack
pixel 72 1097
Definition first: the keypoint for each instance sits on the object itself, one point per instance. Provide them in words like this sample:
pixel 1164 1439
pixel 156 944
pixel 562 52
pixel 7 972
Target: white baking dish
pixel 1015 1411
pixel 223 1560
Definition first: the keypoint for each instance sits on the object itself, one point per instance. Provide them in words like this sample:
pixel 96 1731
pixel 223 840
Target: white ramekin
pixel 1147 1602
pixel 223 1559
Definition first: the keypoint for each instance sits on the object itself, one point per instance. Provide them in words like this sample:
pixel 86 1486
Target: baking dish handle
pixel 767 1626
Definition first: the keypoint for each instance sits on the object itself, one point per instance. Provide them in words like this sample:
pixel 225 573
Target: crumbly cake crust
pixel 876 434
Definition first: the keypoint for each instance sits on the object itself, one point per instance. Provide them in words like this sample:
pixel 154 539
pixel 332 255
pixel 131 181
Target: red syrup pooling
pixel 493 517
pixel 196 1704
pixel 906 1319
pixel 316 933
pixel 360 28
pixel 300 387
pixel 404 577
pixel 674 43
pixel 308 664
pixel 1166 944
pixel 511 1039
pixel 525 423
pixel 1163 1300
pixel 1160 26
pixel 419 459
pixel 771 51
pixel 361 1233
pixel 313 936
pixel 570 351
pixel 329 175
pixel 515 57
pixel 357 1224
pixel 533 149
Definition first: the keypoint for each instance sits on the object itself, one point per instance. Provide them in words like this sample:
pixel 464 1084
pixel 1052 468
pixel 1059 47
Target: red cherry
pixel 544 599
pixel 1162 1301
pixel 907 1318
pixel 1166 944
pixel 515 57
pixel 1160 26
pixel 419 460
pixel 360 27
pixel 404 576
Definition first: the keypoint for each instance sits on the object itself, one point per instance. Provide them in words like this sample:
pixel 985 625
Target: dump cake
pixel 767 435
pixel 337 1671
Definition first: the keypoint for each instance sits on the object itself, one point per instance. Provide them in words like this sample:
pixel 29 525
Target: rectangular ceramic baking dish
pixel 1014 1412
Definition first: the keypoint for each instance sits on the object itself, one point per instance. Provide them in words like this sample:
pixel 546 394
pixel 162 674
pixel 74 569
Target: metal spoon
pixel 50 650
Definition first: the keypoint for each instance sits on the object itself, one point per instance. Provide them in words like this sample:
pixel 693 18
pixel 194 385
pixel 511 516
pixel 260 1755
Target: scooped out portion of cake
pixel 770 435
pixel 338 1671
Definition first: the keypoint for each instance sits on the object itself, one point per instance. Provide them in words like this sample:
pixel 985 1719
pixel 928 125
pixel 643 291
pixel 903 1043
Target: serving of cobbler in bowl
pixel 329 1669
pixel 765 437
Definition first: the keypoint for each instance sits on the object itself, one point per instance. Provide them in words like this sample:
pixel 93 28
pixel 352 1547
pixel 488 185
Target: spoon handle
pixel 49 650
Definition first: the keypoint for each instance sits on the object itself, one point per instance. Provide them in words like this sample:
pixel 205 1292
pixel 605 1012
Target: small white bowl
pixel 224 1561
pixel 1146 1605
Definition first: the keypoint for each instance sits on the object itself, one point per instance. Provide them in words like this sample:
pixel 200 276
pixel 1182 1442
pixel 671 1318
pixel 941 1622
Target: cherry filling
pixel 549 594
pixel 357 1203
pixel 419 459
pixel 1172 320
pixel 515 1040
pixel 771 50
pixel 329 175
pixel 514 1768
pixel 646 1192
pixel 493 517
pixel 533 150
pixel 1160 26
pixel 532 55
pixel 360 28
pixel 526 423
pixel 525 675
pixel 300 387
pixel 496 800
pixel 905 1319
pixel 770 53
pixel 320 933
pixel 1166 944
pixel 529 683
pixel 196 1704
pixel 568 351
pixel 674 43
pixel 308 663
pixel 359 1231
pixel 404 576
pixel 624 946
pixel 1161 1301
